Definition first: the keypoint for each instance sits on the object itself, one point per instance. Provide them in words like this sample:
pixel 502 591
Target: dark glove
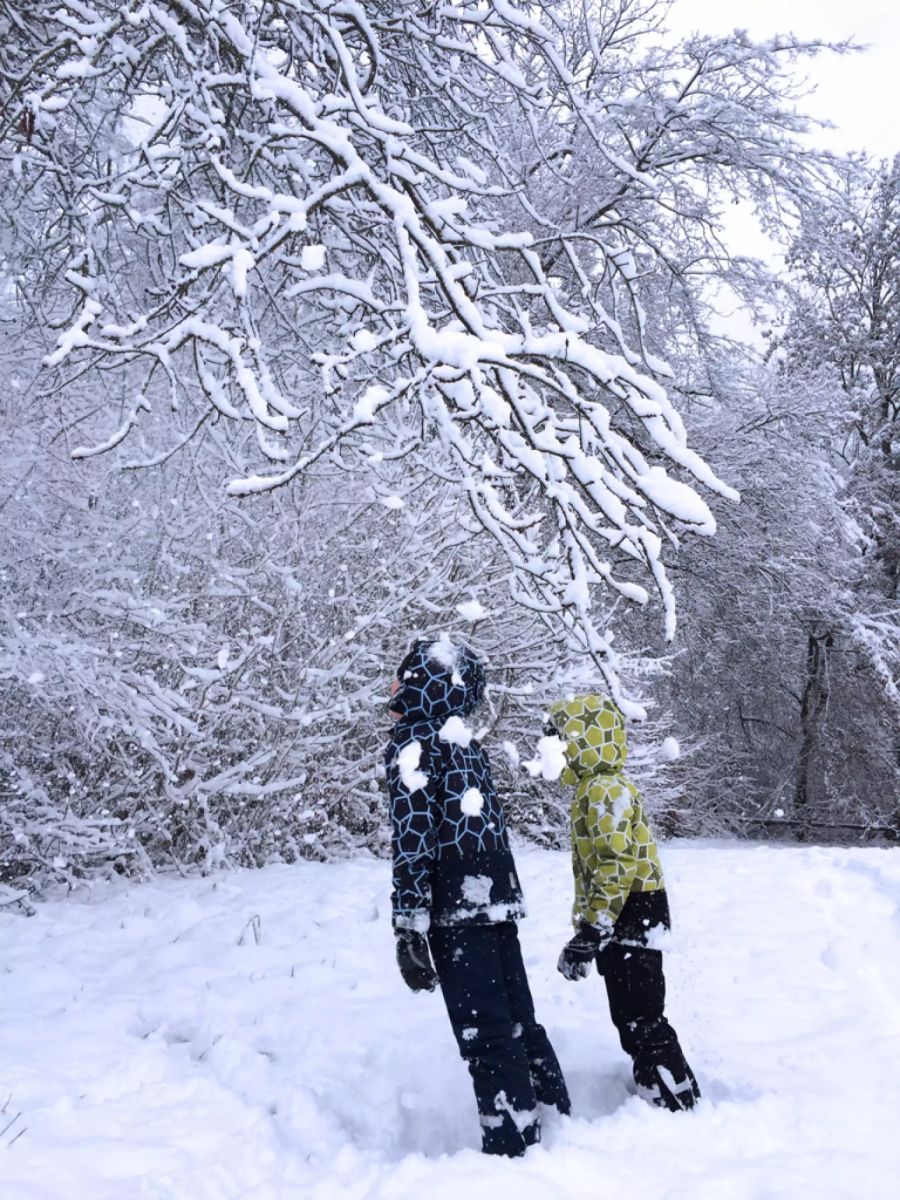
pixel 581 950
pixel 414 961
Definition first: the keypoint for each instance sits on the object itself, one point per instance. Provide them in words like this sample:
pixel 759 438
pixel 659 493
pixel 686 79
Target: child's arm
pixel 413 779
pixel 610 859
pixel 580 894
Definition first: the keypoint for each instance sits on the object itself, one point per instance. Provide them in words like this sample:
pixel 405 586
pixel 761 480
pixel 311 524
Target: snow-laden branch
pixel 354 171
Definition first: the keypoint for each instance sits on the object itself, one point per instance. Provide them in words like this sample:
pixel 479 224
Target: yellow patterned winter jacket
pixel 613 851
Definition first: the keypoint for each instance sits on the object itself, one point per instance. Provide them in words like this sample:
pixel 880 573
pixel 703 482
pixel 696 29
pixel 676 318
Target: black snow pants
pixel 636 990
pixel 509 1056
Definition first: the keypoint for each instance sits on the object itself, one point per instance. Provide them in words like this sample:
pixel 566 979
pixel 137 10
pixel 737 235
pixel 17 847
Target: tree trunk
pixel 813 704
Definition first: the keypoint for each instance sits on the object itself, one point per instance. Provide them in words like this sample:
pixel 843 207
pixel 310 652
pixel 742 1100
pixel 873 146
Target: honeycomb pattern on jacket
pixel 613 850
pixel 438 677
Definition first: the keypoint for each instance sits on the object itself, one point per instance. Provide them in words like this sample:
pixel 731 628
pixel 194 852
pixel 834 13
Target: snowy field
pixel 249 1037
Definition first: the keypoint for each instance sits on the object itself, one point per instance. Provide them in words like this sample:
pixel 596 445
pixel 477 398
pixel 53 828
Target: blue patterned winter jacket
pixel 452 861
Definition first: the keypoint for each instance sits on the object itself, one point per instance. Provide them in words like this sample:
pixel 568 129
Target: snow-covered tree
pixel 787 654
pixel 425 264
pixel 845 325
pixel 331 217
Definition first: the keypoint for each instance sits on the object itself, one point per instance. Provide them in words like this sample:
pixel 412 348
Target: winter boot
pixel 666 1080
pixel 503 1133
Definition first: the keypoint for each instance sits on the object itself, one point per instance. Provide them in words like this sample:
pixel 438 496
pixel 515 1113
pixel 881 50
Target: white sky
pixel 860 92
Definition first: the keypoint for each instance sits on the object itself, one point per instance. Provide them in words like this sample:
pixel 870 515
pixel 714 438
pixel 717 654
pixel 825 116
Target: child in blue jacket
pixel 456 894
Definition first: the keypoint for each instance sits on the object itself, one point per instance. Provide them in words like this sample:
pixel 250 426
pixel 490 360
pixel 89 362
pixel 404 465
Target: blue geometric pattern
pixel 438 677
pixel 452 862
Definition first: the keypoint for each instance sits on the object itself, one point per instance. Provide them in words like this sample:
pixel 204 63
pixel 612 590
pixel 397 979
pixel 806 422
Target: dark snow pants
pixel 509 1056
pixel 636 990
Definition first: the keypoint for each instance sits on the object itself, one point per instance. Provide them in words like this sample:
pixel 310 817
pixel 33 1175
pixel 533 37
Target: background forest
pixel 326 323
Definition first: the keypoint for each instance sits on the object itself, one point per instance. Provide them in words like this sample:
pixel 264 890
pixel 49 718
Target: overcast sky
pixel 860 93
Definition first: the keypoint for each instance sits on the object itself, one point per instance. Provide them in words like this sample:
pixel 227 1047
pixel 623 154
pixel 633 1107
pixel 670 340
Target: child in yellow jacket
pixel 620 897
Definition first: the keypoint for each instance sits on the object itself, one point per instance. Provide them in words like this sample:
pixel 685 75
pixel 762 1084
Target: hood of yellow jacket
pixel 593 729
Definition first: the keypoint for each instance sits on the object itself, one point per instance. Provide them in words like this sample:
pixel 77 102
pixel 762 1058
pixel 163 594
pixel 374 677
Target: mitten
pixel 581 950
pixel 414 961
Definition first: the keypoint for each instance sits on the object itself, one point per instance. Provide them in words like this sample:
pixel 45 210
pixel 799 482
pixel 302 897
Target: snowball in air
pixel 550 760
pixel 471 610
pixel 444 651
pixel 312 258
pixel 669 750
pixel 455 731
pixel 511 751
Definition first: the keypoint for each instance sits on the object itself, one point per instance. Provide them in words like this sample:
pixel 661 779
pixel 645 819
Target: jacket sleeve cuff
pixel 419 920
pixel 601 928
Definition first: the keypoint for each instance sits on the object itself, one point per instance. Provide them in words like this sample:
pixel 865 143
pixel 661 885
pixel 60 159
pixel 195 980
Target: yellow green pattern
pixel 613 851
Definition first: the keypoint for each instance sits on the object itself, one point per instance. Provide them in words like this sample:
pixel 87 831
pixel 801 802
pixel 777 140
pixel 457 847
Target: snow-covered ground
pixel 248 1036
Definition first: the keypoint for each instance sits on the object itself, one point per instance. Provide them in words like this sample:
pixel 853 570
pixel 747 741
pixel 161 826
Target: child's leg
pixel 546 1074
pixel 636 989
pixel 469 964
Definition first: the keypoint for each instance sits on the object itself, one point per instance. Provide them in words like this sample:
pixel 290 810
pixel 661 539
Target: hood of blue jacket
pixel 439 678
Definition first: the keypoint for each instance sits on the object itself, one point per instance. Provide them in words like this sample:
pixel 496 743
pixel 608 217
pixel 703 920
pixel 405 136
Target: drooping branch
pixel 352 170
